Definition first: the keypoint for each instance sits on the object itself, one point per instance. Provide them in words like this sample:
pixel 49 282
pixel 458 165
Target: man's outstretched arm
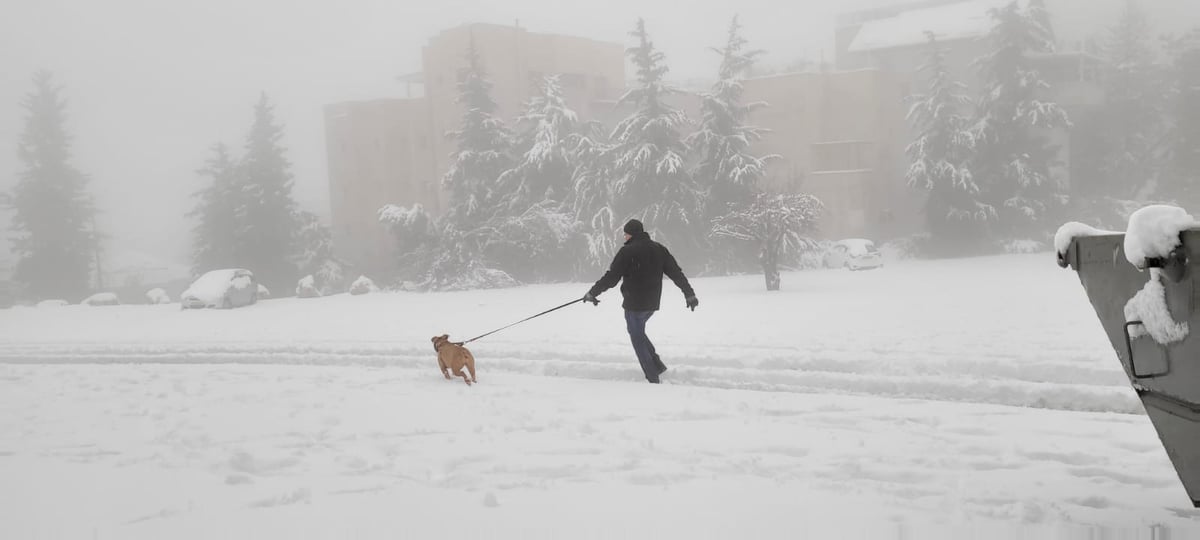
pixel 672 270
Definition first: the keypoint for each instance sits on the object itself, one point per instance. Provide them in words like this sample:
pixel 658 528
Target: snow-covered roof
pixel 962 20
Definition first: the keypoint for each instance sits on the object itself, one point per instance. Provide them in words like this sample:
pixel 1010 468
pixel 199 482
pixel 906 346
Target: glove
pixel 589 297
pixel 692 302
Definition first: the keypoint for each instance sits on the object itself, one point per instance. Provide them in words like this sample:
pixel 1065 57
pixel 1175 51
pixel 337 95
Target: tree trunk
pixel 770 265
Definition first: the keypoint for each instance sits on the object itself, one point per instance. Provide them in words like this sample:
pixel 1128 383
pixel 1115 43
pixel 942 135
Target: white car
pixel 222 289
pixel 853 254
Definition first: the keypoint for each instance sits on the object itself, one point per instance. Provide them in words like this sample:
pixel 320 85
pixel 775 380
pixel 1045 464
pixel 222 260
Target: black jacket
pixel 641 263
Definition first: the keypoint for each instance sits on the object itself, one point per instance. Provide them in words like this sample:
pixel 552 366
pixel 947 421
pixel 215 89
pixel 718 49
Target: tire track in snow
pixel 1050 385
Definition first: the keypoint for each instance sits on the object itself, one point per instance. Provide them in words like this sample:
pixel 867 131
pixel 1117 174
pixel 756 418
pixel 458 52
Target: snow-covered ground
pixel 941 399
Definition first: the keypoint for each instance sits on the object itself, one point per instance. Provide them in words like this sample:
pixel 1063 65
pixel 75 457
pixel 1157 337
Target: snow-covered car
pixel 223 289
pixel 101 299
pixel 853 254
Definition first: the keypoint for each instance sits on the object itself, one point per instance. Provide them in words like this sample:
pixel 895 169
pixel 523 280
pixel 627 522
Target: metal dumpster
pixel 1167 378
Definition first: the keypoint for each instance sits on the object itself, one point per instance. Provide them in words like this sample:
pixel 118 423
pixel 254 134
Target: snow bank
pixel 1070 231
pixel 101 299
pixel 307 288
pixel 1154 232
pixel 158 296
pixel 363 285
pixel 1149 305
pixel 52 303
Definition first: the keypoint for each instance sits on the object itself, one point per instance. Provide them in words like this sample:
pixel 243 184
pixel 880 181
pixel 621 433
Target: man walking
pixel 641 263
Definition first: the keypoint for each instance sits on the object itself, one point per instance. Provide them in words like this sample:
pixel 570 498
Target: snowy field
pixel 943 399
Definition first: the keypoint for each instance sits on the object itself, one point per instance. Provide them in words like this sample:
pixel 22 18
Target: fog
pixel 151 85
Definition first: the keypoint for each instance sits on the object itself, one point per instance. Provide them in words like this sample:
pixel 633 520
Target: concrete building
pixel 840 136
pixel 893 39
pixel 395 150
pixel 379 152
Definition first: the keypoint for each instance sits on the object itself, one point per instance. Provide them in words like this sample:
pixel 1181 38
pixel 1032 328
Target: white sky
pixel 152 84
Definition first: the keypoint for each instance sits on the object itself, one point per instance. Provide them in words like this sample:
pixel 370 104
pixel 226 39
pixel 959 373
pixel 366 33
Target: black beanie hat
pixel 633 227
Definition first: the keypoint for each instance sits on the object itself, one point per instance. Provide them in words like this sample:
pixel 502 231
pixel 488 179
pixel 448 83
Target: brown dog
pixel 453 357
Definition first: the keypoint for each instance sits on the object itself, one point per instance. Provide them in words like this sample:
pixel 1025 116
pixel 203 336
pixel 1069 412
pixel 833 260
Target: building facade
pixel 395 151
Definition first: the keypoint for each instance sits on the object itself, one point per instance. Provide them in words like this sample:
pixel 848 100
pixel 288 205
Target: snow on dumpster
pixel 1069 232
pixel 1154 233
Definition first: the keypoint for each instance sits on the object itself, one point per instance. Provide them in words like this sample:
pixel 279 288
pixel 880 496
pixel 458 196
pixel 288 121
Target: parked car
pixel 101 299
pixel 222 289
pixel 853 254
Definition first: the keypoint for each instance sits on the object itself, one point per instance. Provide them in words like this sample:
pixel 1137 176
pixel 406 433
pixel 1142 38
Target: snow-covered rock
pixel 263 292
pixel 52 303
pixel 307 288
pixel 101 299
pixel 1149 306
pixel 1072 230
pixel 158 296
pixel 1154 232
pixel 363 285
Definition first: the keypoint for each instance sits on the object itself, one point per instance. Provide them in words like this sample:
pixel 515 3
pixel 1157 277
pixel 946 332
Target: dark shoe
pixel 655 381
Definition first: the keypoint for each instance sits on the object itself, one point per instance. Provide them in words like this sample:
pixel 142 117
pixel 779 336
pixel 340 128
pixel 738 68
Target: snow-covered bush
pixel 307 288
pixel 777 224
pixel 363 285
pixel 158 296
pixel 908 247
pixel 534 246
pixel 1025 246
pixel 263 292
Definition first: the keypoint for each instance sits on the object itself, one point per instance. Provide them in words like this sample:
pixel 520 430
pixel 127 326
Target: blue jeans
pixel 652 366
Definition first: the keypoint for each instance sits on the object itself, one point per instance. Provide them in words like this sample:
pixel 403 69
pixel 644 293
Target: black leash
pixel 572 302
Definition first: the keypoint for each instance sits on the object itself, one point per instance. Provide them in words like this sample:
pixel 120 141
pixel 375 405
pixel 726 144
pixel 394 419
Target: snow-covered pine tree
pixel 1133 115
pixel 416 236
pixel 650 180
pixel 316 254
pixel 216 213
pixel 940 157
pixel 590 201
pixel 532 233
pixel 482 149
pixel 267 233
pixel 54 215
pixel 776 224
pixel 1012 165
pixel 1041 16
pixel 726 170
pixel 550 130
pixel 1183 181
